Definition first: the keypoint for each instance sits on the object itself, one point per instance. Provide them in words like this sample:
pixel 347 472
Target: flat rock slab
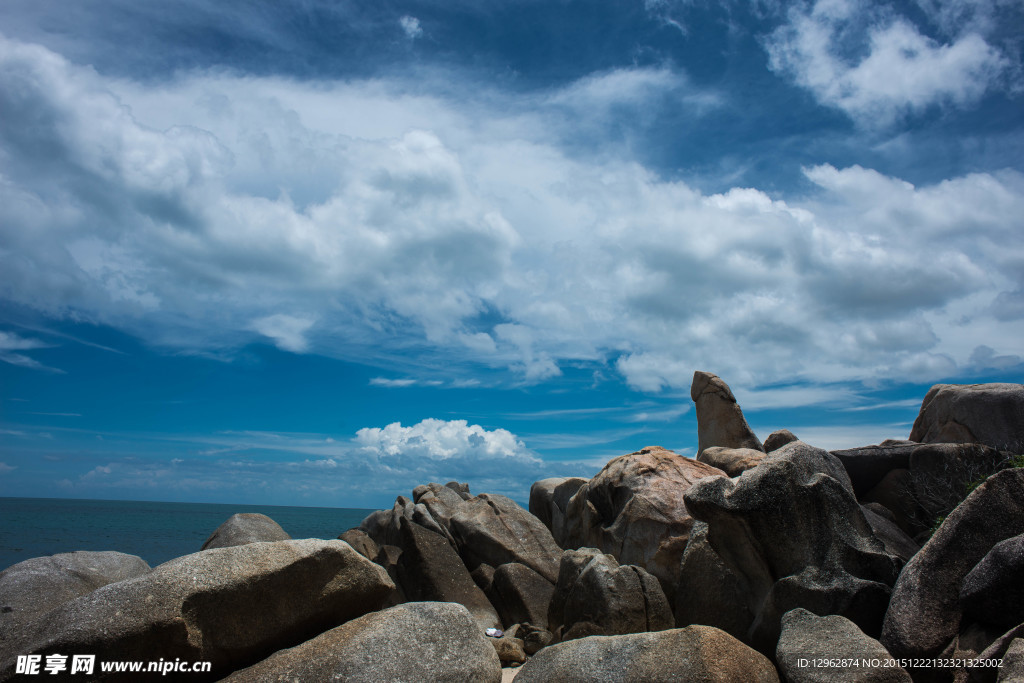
pixel 694 653
pixel 410 643
pixel 230 606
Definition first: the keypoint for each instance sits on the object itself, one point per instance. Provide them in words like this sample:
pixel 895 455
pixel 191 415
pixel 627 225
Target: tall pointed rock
pixel 720 421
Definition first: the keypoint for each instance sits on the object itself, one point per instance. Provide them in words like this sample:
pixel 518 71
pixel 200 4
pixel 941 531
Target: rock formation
pixel 229 606
pixel 732 461
pixel 792 534
pixel 245 527
pixel 633 509
pixel 549 500
pixel 720 421
pixel 417 641
pixel 991 414
pixel 40 584
pixel 594 595
pixel 925 612
pixel 694 653
pixel 806 636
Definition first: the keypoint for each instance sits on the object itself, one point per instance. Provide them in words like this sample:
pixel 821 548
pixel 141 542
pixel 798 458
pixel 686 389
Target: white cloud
pixel 287 331
pixel 411 26
pixel 879 68
pixel 368 220
pixel 10 342
pixel 5 468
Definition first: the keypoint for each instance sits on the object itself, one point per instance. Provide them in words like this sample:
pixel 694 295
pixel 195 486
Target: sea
pixel 156 532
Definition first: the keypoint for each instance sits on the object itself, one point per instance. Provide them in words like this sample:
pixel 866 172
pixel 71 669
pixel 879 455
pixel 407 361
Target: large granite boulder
pixel 245 527
pixel 732 461
pixel 417 641
pixel 549 500
pixel 806 636
pixel 720 421
pixel 993 592
pixel 694 653
pixel 521 595
pixel 494 530
pixel 925 614
pixel 41 583
pixel 594 595
pixel 633 509
pixel 709 592
pixel 992 414
pixel 229 606
pixel 793 535
pixel 429 569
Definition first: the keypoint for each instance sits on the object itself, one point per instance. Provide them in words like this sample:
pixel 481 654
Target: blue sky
pixel 316 253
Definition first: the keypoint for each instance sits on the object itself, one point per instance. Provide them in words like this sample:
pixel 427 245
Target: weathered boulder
pixel 511 650
pixel 633 509
pixel 417 641
pixel 534 638
pixel 993 653
pixel 895 540
pixel 720 421
pixel 896 493
pixel 732 461
pixel 594 595
pixel 1012 670
pixel 41 583
pixel 245 527
pixel 709 593
pixel 791 531
pixel 360 542
pixel 493 529
pixel 868 465
pixel 694 653
pixel 806 636
pixel 229 606
pixel 924 614
pixel 549 500
pixel 521 595
pixel 429 569
pixel 993 592
pixel 992 414
pixel 778 439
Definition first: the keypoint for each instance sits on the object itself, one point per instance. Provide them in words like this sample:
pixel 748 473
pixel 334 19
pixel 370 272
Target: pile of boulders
pixel 755 561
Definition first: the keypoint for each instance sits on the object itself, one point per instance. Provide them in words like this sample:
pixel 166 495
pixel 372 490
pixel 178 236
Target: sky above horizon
pixel 317 253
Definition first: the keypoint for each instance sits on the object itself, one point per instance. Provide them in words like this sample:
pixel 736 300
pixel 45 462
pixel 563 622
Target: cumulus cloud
pixel 411 26
pixel 878 68
pixel 373 465
pixel 365 219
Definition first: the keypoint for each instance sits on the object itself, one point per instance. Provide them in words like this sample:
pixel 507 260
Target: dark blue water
pixel 156 532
